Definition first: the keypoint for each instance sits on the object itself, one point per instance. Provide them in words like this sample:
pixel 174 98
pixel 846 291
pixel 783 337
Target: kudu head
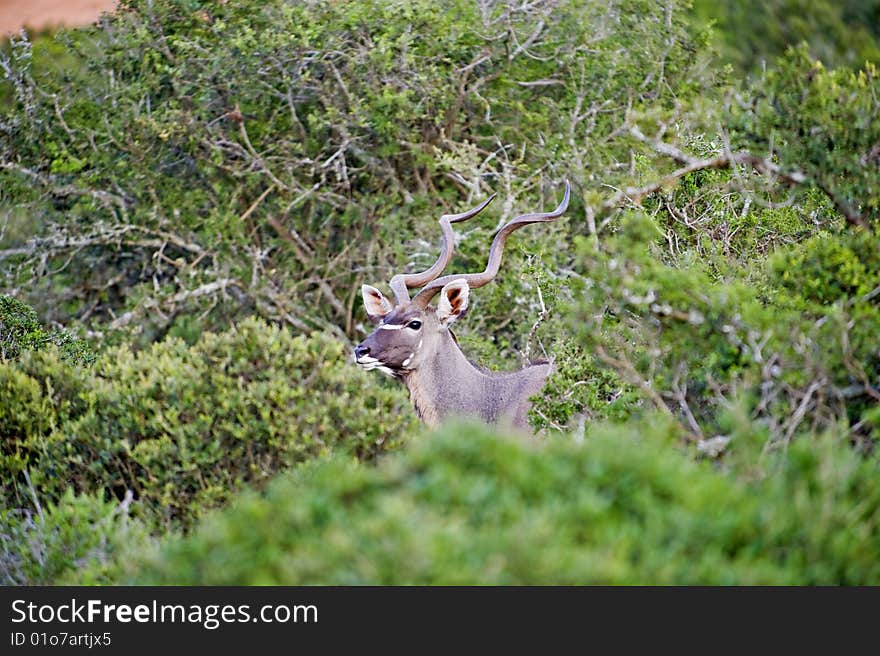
pixel 410 331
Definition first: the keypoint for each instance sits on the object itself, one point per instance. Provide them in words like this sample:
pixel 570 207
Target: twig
pixel 256 203
pixel 801 410
pixel 542 316
pixel 628 372
pixel 33 492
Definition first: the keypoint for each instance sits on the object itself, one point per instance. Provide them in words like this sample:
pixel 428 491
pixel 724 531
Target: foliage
pixel 20 329
pixel 41 547
pixel 752 34
pixel 183 427
pixel 713 289
pixel 267 158
pixel 839 111
pixel 467 506
pixel 798 345
pixel 580 391
pixel 730 287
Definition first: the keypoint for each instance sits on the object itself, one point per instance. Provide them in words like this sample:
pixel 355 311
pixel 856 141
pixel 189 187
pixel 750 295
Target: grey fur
pixel 442 382
pixel 448 384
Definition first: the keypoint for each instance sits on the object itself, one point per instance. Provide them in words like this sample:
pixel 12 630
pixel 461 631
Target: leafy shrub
pixel 797 343
pixel 580 390
pixel 269 157
pixel 183 169
pixel 20 329
pixel 751 33
pixel 41 547
pixel 466 506
pixel 183 426
pixel 837 108
pixel 827 269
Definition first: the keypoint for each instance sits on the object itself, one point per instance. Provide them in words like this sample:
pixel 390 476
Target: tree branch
pixel 723 161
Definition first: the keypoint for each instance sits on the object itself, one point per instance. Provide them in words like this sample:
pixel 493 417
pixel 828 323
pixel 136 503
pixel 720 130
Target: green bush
pixel 752 33
pixel 184 426
pixel 466 506
pixel 837 108
pixel 177 170
pixel 20 329
pixel 197 166
pixel 793 336
pixel 43 546
pixel 826 269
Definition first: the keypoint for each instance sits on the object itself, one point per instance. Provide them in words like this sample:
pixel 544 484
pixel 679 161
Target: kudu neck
pixel 443 382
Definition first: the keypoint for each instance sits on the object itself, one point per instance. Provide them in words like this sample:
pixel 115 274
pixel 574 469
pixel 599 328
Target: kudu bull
pixel 412 341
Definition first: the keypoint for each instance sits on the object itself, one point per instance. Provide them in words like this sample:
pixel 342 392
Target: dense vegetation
pixel 468 507
pixel 193 193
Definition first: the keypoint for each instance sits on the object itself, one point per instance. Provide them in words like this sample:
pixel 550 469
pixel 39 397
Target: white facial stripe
pixel 410 357
pixel 365 359
pixel 370 366
pixel 392 326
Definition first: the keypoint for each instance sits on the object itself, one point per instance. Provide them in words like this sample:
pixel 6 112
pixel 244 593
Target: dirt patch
pixel 41 14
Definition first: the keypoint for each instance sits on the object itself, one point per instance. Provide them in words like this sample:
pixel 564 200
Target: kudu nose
pixel 360 351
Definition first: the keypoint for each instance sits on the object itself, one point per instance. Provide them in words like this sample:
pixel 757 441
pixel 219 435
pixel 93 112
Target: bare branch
pixel 724 161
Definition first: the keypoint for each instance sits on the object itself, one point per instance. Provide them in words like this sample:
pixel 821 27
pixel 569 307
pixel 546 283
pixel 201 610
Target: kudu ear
pixel 453 301
pixel 375 303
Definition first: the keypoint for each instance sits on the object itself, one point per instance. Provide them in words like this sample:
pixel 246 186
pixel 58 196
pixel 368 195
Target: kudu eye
pixel 415 325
